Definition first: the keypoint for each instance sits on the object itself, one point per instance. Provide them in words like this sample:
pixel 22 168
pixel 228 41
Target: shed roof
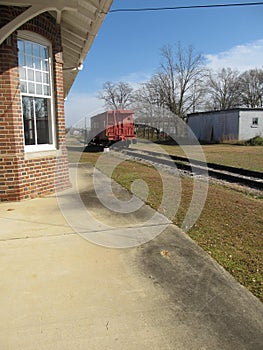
pixel 80 21
pixel 223 111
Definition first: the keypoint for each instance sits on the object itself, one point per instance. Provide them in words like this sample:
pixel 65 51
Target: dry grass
pixel 247 157
pixel 229 228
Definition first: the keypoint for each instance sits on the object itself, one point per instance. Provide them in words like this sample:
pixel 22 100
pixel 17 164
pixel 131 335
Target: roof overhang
pixel 80 21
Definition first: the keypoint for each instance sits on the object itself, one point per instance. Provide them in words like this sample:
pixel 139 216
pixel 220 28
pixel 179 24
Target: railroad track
pixel 249 178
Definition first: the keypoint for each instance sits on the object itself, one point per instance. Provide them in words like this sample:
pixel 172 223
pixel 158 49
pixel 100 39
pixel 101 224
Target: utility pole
pixel 85 132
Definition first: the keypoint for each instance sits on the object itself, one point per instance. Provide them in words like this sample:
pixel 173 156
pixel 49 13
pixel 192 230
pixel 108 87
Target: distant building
pixel 232 124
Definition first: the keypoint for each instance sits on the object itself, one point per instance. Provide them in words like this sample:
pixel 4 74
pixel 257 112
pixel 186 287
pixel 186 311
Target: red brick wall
pixel 21 176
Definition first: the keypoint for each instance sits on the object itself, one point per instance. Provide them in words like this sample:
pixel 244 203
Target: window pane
pixel 28 117
pixel 21 46
pixel 28 48
pixel 23 86
pixel 21 58
pixel 43 52
pixel 29 61
pixel 38 77
pixel 36 50
pixel 45 78
pixel 31 88
pixel 45 65
pixel 21 53
pixel 42 120
pixel 38 63
pixel 46 90
pixel 30 74
pixel 255 121
pixel 39 89
pixel 22 73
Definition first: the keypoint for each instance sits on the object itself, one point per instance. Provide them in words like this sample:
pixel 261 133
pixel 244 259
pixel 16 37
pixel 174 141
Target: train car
pixel 111 127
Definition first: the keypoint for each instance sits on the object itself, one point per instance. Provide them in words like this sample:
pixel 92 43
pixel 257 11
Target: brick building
pixel 42 47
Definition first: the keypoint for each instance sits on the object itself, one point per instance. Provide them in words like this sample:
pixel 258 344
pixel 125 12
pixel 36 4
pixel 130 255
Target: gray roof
pixel 232 110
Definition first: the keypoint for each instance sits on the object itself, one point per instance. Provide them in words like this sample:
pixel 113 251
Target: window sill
pixel 42 154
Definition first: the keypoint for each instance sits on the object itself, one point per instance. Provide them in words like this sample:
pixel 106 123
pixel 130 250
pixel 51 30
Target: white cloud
pixel 79 106
pixel 240 57
pixel 134 79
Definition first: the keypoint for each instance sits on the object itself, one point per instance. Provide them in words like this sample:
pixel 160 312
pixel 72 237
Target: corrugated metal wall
pixel 215 126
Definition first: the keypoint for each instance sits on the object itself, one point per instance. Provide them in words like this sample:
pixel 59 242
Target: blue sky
pixel 127 47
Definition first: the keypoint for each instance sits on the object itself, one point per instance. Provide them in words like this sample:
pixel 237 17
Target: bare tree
pixel 148 103
pixel 116 96
pixel 182 73
pixel 251 88
pixel 222 89
pixel 178 86
pixel 150 94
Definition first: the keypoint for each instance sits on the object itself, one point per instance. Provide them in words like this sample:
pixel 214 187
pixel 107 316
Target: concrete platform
pixel 60 291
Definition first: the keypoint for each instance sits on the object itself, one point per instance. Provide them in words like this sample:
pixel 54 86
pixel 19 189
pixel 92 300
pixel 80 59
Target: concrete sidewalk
pixel 60 291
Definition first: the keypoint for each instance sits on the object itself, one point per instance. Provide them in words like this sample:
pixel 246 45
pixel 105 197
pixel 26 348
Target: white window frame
pixel 255 121
pixel 38 39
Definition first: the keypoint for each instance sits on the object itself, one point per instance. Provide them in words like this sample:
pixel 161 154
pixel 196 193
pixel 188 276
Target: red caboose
pixel 112 126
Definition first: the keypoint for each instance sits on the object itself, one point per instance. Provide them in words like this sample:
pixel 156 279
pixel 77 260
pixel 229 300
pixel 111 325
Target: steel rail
pixel 249 178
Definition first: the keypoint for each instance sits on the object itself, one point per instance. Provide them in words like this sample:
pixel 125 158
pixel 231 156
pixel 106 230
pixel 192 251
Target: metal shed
pixel 233 124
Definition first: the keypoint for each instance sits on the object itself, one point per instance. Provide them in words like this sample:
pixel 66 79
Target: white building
pixel 232 124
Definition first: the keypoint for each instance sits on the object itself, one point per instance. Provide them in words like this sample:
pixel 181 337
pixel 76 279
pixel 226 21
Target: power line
pixel 185 7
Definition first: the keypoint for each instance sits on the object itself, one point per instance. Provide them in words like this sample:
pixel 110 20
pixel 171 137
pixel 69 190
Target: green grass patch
pixel 255 141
